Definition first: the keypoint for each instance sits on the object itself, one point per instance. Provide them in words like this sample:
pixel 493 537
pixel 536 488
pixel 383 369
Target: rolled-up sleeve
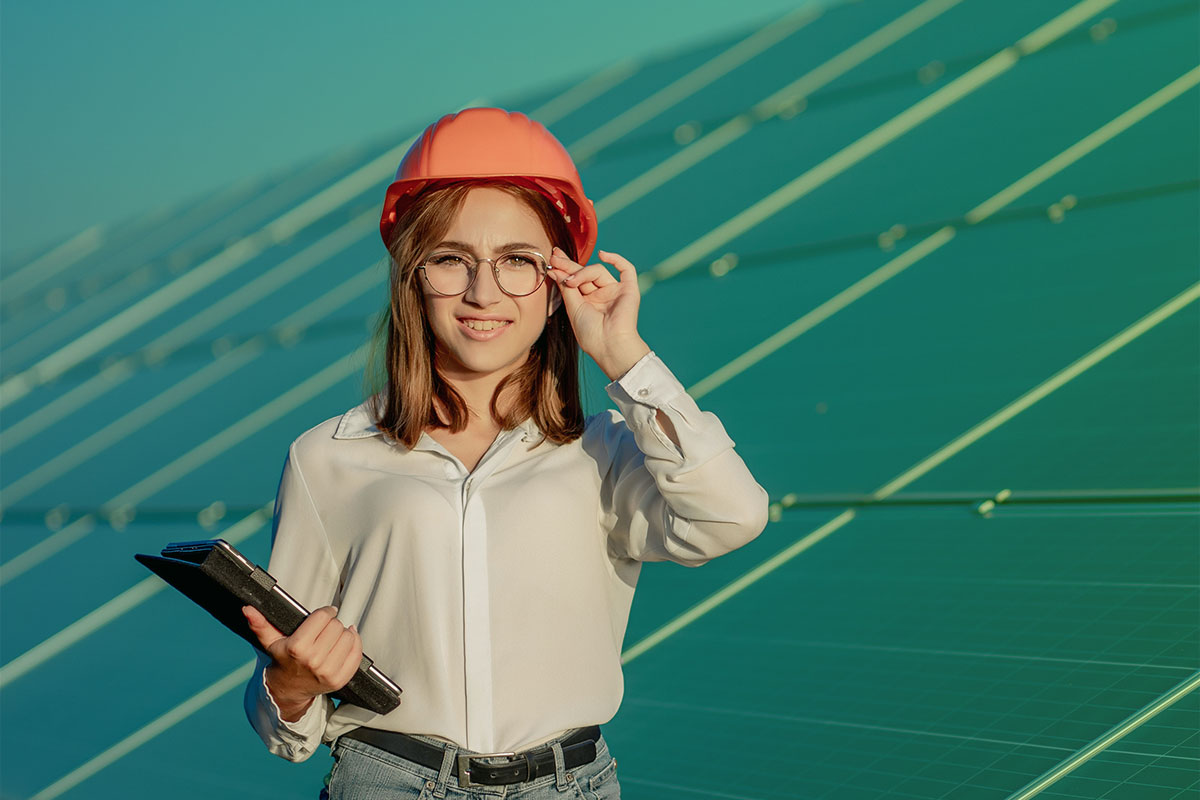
pixel 661 502
pixel 302 563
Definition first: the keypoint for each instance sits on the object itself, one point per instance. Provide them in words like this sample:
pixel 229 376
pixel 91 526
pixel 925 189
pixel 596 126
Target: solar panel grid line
pixel 724 129
pixel 214 691
pixel 582 93
pixel 741 124
pixel 109 237
pixel 163 346
pixel 931 243
pixel 123 505
pixel 284 333
pixel 1085 146
pixel 871 757
pixel 339 369
pixel 233 257
pixel 95 443
pixel 118 606
pixel 822 312
pixel 837 723
pixel 1078 514
pixel 80 528
pixel 145 226
pixel 872 142
pixel 803 543
pixel 691 791
pixel 48 547
pixel 647 109
pixel 72 533
pixel 1073 370
pixel 1005 682
pixel 56 543
pixel 732 589
pixel 945 653
pixel 1005 497
pixel 1018 711
pixel 373 277
pixel 54 261
pixel 1102 743
pixel 167 242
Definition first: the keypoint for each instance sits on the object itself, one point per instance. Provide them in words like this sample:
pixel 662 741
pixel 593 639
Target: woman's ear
pixel 555 300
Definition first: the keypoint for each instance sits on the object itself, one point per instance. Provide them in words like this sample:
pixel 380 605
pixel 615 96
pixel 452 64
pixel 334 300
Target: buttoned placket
pixel 476 601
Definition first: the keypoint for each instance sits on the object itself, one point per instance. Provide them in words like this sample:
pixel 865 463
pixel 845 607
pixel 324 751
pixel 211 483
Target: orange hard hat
pixel 493 143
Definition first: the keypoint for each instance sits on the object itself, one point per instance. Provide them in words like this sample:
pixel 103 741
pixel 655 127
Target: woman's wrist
pixel 291 704
pixel 621 356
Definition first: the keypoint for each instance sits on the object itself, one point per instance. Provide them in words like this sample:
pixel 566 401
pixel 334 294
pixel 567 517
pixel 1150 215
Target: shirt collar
pixel 359 423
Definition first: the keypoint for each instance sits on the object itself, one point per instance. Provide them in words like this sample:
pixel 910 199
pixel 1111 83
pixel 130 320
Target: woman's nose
pixel 484 291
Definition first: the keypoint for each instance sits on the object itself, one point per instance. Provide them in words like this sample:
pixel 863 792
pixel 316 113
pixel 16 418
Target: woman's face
pixel 490 222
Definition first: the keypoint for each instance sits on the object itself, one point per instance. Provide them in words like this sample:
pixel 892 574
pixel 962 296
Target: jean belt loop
pixel 560 766
pixel 444 776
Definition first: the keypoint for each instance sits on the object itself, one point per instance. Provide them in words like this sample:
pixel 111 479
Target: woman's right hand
pixel 321 656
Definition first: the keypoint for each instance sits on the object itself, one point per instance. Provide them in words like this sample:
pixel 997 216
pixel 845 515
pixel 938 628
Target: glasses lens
pixel 520 273
pixel 448 273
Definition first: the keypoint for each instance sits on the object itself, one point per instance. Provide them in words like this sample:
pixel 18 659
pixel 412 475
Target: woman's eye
pixel 448 260
pixel 520 260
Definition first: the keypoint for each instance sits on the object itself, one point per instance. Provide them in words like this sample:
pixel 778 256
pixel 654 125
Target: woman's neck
pixel 477 392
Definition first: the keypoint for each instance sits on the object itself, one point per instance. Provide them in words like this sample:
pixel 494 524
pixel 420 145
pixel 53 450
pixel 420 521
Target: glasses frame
pixel 474 269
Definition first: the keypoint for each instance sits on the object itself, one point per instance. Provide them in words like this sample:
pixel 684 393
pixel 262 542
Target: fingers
pixel 344 658
pixel 303 638
pixel 267 633
pixel 624 267
pixel 570 275
pixel 587 279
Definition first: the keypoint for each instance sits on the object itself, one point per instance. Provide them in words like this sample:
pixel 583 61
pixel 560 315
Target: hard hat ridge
pixel 493 143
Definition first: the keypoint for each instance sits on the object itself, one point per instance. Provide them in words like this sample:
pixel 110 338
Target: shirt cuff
pixel 647 388
pixel 311 725
pixel 648 382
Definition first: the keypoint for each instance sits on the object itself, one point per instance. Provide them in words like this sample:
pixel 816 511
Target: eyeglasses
pixel 517 274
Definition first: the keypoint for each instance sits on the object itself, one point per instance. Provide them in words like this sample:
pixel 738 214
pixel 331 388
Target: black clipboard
pixel 214 575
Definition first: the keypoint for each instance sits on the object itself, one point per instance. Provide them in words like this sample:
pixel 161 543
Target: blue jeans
pixel 363 772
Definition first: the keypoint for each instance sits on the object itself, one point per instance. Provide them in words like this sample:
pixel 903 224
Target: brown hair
pixel 545 387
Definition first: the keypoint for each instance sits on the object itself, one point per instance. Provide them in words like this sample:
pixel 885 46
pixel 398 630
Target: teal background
pixel 930 646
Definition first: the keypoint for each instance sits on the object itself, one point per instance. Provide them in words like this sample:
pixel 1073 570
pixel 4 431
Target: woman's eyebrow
pixel 470 249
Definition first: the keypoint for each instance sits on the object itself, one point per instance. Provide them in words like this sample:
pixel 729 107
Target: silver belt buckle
pixel 464 766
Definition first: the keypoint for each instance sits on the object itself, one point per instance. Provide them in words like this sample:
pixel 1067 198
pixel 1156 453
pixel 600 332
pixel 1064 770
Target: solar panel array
pixel 934 265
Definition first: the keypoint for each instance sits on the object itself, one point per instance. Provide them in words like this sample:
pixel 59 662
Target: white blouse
pixel 498 598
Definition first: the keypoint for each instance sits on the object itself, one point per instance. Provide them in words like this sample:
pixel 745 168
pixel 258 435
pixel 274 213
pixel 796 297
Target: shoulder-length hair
pixel 545 387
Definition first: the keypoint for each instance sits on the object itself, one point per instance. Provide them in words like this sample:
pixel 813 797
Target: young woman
pixel 467 522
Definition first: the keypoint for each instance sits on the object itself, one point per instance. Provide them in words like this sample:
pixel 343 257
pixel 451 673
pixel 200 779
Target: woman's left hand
pixel 603 310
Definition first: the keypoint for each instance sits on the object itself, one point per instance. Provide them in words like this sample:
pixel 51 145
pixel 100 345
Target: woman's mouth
pixel 482 330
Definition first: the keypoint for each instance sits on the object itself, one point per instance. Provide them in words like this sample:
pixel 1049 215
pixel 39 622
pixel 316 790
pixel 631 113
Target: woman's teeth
pixel 484 324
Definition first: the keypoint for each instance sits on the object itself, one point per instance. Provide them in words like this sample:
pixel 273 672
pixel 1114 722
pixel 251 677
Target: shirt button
pixel 643 392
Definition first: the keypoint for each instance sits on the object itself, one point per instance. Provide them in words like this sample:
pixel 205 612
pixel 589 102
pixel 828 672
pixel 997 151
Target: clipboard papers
pixel 214 575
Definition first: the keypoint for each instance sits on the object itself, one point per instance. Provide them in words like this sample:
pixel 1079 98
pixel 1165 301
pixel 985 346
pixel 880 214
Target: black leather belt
pixel 578 746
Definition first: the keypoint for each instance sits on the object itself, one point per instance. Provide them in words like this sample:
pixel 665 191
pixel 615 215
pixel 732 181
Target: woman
pixel 467 522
